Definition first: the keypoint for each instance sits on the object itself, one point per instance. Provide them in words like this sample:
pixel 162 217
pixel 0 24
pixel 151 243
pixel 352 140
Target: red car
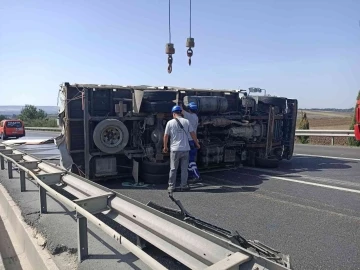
pixel 11 128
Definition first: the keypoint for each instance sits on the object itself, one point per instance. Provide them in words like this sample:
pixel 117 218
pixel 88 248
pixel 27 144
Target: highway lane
pixel 317 224
pixel 44 151
pixel 328 151
pixel 34 134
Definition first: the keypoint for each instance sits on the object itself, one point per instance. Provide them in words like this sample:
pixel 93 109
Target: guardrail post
pixel 82 238
pixel 43 202
pixel 92 204
pixel 22 181
pixel 2 163
pixel 140 242
pixel 332 140
pixel 10 171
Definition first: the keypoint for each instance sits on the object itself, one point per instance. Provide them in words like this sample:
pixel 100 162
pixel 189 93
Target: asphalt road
pixel 309 207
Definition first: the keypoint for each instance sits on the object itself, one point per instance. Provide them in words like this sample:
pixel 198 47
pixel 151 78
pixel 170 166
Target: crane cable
pixel 170 50
pixel 169 22
pixel 190 43
pixel 190 18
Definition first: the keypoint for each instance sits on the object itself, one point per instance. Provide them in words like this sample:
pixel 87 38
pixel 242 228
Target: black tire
pixel 118 126
pixel 274 101
pixel 159 95
pixel 157 179
pixel 157 107
pixel 154 167
pixel 267 162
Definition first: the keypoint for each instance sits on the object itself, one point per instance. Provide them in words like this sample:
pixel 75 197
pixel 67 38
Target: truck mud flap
pixel 291 123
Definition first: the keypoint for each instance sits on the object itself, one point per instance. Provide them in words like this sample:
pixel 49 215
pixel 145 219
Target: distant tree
pixel 34 117
pixel 352 140
pixel 2 117
pixel 304 124
pixel 30 112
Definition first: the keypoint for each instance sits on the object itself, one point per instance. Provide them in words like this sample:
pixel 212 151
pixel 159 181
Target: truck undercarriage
pixel 113 132
pixel 116 131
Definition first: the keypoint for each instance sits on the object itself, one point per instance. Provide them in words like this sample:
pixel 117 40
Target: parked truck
pixel 357 121
pixel 112 131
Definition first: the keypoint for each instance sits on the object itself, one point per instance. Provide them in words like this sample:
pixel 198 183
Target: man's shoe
pixel 185 188
pixel 192 180
pixel 170 191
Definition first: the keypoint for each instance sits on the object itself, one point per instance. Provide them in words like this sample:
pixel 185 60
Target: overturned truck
pixel 111 131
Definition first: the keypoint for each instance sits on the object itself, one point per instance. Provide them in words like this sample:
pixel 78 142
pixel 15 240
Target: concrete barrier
pixel 22 236
pixel 2 267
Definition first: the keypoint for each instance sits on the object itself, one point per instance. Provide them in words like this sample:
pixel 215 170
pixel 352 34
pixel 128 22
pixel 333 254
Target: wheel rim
pixel 111 136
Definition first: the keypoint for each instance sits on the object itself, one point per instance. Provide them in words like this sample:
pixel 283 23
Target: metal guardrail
pixel 188 244
pixel 325 133
pixel 54 129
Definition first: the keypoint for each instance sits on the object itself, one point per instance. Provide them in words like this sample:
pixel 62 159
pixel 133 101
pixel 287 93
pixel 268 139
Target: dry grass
pixel 330 121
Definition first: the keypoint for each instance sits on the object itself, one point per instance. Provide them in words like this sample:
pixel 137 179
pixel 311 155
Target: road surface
pixel 309 207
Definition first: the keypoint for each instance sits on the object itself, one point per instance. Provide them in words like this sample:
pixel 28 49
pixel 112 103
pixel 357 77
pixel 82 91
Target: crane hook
pixel 170 61
pixel 189 54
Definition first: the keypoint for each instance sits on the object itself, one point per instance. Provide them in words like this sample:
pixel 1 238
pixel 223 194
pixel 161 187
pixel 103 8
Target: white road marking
pixel 314 184
pixel 345 158
pixel 268 173
pixel 304 176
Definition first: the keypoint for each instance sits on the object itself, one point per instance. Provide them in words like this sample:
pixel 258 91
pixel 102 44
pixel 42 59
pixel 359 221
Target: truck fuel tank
pixel 208 104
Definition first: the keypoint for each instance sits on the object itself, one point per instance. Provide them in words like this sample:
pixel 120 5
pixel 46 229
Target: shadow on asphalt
pixel 239 181
pixel 314 164
pixel 219 182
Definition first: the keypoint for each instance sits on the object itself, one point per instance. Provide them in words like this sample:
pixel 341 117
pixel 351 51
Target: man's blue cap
pixel 193 106
pixel 176 108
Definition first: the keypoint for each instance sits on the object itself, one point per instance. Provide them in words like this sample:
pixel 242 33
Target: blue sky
pixel 305 49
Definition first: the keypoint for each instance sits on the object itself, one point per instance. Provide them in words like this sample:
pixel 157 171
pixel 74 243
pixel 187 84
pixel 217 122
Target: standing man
pixel 178 129
pixel 194 121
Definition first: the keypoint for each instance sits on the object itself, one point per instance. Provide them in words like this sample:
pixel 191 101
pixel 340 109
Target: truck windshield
pixel 14 124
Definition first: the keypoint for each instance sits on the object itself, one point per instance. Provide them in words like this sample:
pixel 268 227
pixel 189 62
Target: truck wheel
pixel 111 136
pixel 157 107
pixel 155 167
pixel 159 95
pixel 274 101
pixel 267 162
pixel 156 179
